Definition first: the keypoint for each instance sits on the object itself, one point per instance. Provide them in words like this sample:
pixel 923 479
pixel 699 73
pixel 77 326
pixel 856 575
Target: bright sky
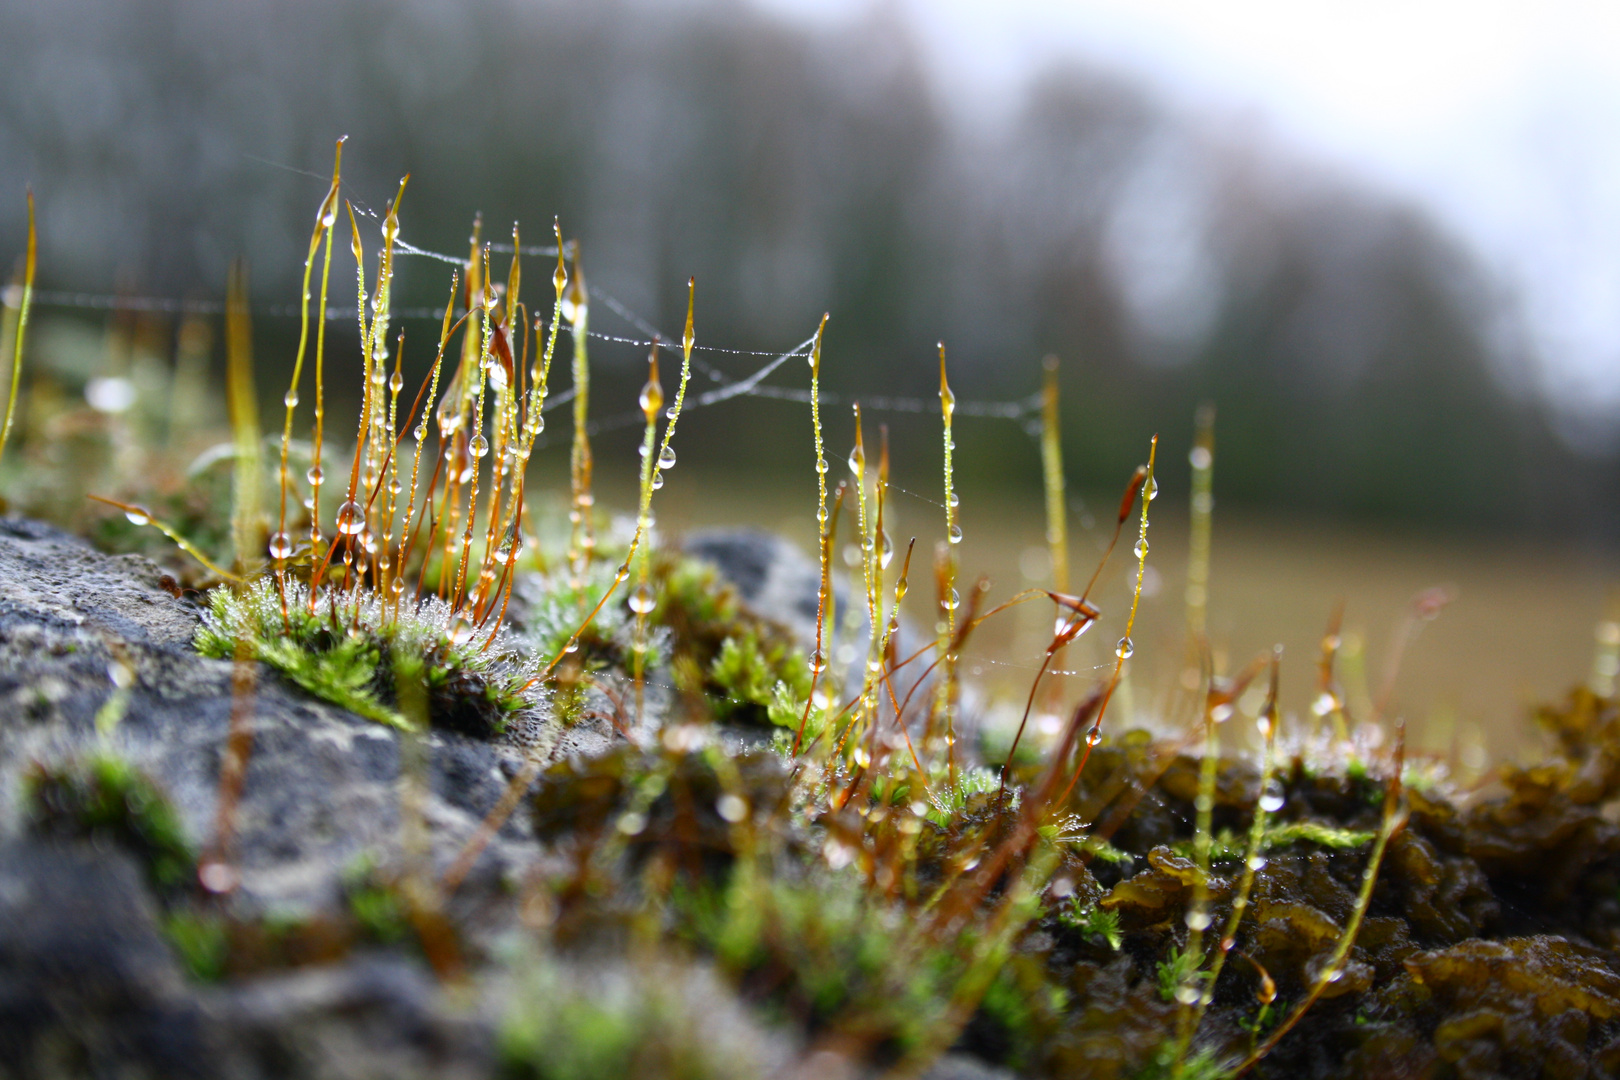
pixel 1502 119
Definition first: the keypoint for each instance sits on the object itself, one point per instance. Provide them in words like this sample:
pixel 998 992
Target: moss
pixel 201 943
pixel 1093 921
pixel 103 798
pixel 350 653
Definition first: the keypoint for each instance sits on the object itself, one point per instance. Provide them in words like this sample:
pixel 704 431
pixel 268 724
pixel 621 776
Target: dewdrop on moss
pixel 351 518
pixel 280 546
pixel 461 630
pixel 1124 649
pixel 857 460
pixel 138 516
pixel 479 445
pixel 642 601
pixel 666 458
pixel 1141 549
pixel 290 399
pixel 314 475
pixel 954 534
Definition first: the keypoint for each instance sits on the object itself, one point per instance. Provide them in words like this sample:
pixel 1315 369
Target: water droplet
pixel 461 630
pixel 396 586
pixel 314 475
pixel 657 480
pixel 631 823
pixel 885 550
pixel 351 518
pixel 290 399
pixel 818 661
pixel 651 399
pixel 733 808
pixel 396 382
pixel 666 458
pixel 857 461
pixel 1333 974
pixel 110 394
pixel 1152 491
pixel 479 445
pixel 1141 549
pixel 642 601
pixel 1325 703
pixel 1198 920
pixel 138 516
pixel 1272 800
pixel 1257 863
pixel 954 534
pixel 1221 713
pixel 951 601
pixel 1200 457
pixel 1187 995
pixel 1124 649
pixel 837 853
pixel 953 500
pixel 281 545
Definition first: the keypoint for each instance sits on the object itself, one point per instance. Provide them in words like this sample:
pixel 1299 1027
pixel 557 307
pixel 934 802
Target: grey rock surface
pixel 89 984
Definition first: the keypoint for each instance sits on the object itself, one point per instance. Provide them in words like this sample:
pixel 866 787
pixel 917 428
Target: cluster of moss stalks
pixel 1102 905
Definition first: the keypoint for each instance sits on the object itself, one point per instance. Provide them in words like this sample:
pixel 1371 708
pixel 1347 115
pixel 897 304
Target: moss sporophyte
pixel 889 876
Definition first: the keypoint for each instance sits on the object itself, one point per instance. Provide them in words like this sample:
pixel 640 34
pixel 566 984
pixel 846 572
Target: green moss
pixel 201 943
pixel 348 652
pixel 104 798
pixel 1093 921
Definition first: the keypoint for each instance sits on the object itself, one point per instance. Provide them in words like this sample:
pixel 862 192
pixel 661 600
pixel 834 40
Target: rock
pixel 89 984
pixel 322 785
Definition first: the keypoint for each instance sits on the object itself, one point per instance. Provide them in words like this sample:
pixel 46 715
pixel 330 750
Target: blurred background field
pixel 1413 343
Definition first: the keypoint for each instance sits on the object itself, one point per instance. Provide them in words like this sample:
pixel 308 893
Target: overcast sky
pixel 1501 118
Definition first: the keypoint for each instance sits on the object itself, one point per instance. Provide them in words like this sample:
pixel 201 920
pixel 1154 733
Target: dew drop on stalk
pixel 396 382
pixel 1272 800
pixel 954 501
pixel 885 550
pixel 281 545
pixel 666 458
pixel 1124 649
pixel 461 630
pixel 1198 920
pixel 572 646
pixel 1152 490
pixel 657 480
pixel 1141 549
pixel 1257 863
pixel 954 535
pixel 1094 736
pixel 351 518
pixel 396 586
pixel 479 445
pixel 857 461
pixel 290 399
pixel 314 475
pixel 138 516
pixel 951 601
pixel 642 601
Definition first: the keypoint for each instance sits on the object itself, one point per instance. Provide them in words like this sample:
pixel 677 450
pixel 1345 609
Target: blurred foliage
pixel 1357 353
